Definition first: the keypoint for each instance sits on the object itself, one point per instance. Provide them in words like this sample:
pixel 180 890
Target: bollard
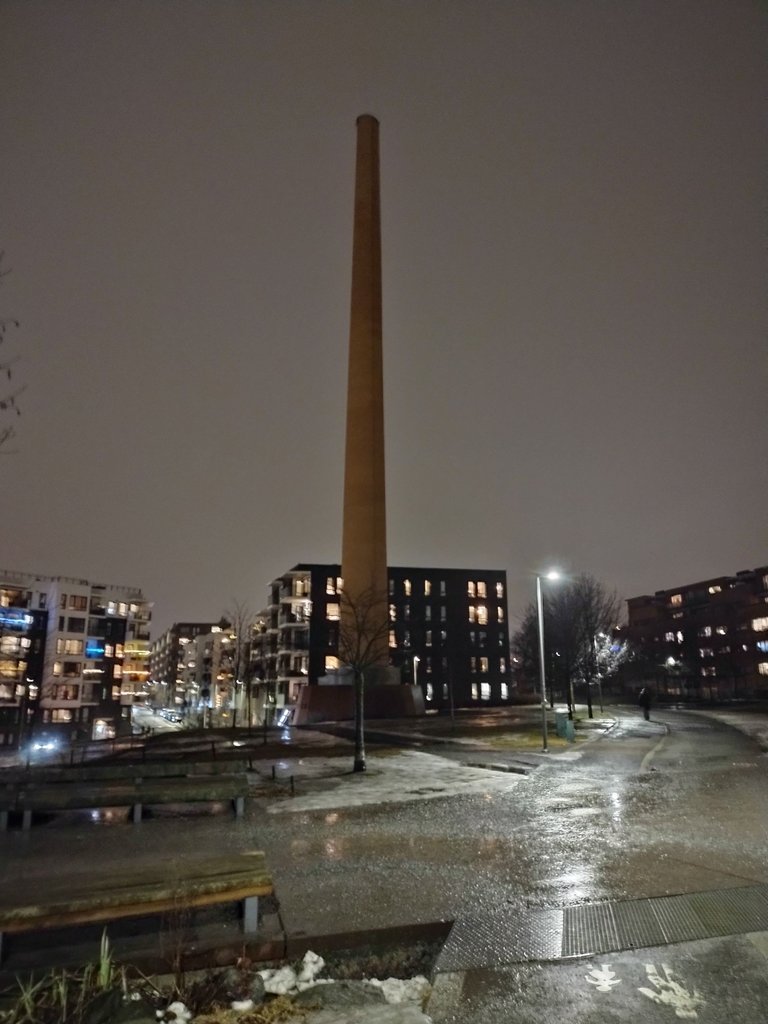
pixel 273 773
pixel 213 749
pixel 293 791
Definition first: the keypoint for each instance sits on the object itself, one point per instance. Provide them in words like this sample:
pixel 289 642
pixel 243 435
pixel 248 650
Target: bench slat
pixel 193 884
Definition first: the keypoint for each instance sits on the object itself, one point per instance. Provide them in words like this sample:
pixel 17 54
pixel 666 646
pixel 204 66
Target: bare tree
pixel 9 396
pixel 576 615
pixel 363 635
pixel 241 620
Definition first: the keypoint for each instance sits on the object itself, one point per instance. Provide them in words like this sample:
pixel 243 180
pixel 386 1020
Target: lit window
pixel 78 602
pixel 705 652
pixel 427 588
pixel 705 631
pixel 392 638
pixel 500 590
pixel 762 645
pixel 485 691
pixel 670 637
pixel 483 664
pixel 474 691
pixel 502 665
pixel 482 615
pixel 428 638
pixel 428 614
pixel 332 611
pixel 472 613
pixel 715 590
pixel 676 599
pixel 442 588
pixel 61 715
pixel 481 589
pixel 445 691
pixel 504 692
pixel 708 670
pixel 442 613
pixel 471 591
pixel 332 663
pixel 119 651
pixel 721 630
pixel 339 584
pixel 760 625
pixel 407 587
pixel 679 637
pixel 473 664
pixel 117 671
pixel 330 587
pixel 500 614
pixel 429 666
pixel 392 613
pixel 430 693
pixel 762 668
pixel 57 668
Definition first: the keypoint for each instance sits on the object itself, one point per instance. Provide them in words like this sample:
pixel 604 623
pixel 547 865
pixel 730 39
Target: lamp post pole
pixel 553 574
pixel 542 671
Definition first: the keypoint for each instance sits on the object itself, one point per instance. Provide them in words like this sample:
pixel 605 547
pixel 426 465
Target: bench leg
pixel 136 813
pixel 26 820
pixel 239 806
pixel 251 915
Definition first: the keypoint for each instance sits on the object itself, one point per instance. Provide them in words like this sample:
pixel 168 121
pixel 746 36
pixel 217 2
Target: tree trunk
pixel 359 762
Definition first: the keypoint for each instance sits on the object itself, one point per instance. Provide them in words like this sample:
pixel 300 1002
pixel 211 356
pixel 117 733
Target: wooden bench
pixel 157 889
pixel 28 799
pixel 98 772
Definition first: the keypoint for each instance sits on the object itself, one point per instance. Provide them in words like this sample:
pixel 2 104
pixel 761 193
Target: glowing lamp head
pixel 553 574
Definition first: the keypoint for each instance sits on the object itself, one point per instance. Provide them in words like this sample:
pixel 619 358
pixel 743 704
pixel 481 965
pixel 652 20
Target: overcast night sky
pixel 573 219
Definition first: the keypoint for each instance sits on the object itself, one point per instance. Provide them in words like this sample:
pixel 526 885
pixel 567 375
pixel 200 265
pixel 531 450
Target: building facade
pixel 703 640
pixel 448 633
pixel 180 671
pixel 74 655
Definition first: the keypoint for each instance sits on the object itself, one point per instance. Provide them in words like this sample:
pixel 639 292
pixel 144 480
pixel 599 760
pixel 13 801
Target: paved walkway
pixel 282 824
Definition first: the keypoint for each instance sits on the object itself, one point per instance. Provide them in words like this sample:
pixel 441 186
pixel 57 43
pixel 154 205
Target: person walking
pixel 645 699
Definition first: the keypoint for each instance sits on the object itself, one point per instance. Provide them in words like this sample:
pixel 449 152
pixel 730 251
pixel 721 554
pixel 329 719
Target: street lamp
pixel 553 574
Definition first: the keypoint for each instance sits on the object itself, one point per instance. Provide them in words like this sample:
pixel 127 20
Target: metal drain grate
pixel 504 938
pixel 516 936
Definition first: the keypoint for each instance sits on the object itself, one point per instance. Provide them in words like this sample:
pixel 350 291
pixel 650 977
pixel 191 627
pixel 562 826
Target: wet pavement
pixel 632 810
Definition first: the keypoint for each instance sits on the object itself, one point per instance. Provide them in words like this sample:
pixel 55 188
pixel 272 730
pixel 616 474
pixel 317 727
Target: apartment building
pixel 706 639
pixel 177 668
pixel 448 634
pixel 74 655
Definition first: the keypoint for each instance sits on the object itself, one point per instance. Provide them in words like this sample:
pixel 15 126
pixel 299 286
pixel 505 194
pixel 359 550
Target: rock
pixel 113 1007
pixel 338 994
pixel 239 984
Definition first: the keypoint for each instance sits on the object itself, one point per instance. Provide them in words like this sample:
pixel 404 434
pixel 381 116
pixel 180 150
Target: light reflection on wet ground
pixel 580 831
